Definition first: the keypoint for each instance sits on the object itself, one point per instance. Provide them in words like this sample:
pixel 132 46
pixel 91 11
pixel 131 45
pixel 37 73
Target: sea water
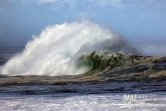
pixel 44 44
pixel 76 102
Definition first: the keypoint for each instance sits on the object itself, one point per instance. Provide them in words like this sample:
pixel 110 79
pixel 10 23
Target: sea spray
pixel 54 51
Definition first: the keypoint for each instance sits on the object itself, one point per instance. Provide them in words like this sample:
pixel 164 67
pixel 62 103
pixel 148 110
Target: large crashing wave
pixel 55 50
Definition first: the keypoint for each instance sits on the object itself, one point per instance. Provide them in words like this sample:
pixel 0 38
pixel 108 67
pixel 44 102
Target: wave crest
pixel 55 50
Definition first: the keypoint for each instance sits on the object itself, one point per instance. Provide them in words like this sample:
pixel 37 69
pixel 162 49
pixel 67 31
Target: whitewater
pixel 96 102
pixel 54 51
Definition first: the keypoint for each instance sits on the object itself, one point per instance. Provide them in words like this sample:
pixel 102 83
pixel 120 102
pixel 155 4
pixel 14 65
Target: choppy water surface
pixel 75 102
pixel 81 97
pixel 85 97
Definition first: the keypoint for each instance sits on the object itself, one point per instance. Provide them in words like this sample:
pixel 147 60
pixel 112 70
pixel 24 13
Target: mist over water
pixel 55 50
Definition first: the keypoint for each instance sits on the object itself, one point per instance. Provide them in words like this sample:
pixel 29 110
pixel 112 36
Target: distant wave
pixel 56 49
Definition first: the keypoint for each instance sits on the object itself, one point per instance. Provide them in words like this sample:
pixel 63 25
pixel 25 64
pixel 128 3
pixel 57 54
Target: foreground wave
pixel 100 102
pixel 56 49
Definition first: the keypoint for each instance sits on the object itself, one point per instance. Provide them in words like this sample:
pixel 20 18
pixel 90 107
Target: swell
pixel 56 50
pixel 104 60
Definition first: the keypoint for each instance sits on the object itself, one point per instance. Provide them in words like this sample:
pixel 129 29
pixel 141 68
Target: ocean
pixel 7 52
pixel 52 53
pixel 14 98
pixel 82 102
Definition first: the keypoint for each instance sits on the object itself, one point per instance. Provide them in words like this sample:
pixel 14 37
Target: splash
pixel 55 50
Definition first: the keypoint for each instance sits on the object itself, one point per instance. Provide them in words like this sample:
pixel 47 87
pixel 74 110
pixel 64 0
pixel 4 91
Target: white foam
pixel 55 49
pixel 100 102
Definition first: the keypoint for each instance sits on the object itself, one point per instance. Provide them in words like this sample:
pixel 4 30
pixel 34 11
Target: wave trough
pixel 54 51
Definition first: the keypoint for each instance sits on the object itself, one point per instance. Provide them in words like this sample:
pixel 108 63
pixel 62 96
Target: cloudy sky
pixel 142 22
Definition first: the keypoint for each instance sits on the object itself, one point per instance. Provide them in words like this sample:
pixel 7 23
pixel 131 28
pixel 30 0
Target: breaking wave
pixel 55 50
